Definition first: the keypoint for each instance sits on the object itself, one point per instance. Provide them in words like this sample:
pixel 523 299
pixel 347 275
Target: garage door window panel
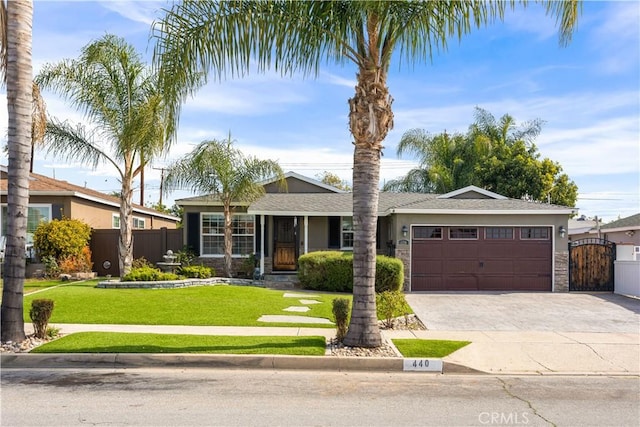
pixel 427 233
pixel 463 233
pixel 498 233
pixel 534 233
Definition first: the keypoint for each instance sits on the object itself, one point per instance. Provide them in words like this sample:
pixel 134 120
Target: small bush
pixel 391 304
pixel 148 274
pixel 77 263
pixel 141 262
pixel 196 271
pixel 186 256
pixel 341 317
pixel 51 268
pixel 332 271
pixel 61 238
pixel 40 314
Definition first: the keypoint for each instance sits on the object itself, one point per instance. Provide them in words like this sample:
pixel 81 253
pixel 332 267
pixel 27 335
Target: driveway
pixel 521 311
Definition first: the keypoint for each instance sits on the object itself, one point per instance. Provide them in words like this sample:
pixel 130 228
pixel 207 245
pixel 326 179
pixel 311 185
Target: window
pixel 35 215
pixel 347 232
pixel 538 233
pixel 213 234
pixel 498 233
pixel 462 233
pixel 115 221
pixel 427 232
pixel 138 223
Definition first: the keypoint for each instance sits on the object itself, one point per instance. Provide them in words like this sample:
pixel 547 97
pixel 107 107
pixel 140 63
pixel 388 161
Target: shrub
pixel 332 271
pixel 77 263
pixel 196 271
pixel 148 274
pixel 40 314
pixel 341 317
pixel 140 262
pixel 61 238
pixel 391 304
pixel 186 256
pixel 51 268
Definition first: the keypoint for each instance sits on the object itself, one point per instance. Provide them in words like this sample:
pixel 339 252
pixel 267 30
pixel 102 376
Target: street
pixel 200 397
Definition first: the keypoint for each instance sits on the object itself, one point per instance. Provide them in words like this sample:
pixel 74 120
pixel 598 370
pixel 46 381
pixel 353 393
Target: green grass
pixel 33 285
pixel 82 302
pixel 427 348
pixel 111 342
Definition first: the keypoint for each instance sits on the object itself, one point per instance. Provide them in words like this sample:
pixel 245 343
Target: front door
pixel 284 253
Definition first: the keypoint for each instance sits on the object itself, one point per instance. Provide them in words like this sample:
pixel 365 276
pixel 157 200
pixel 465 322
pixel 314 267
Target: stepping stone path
pixel 303 299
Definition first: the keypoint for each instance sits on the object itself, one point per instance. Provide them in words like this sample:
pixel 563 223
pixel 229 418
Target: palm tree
pixel 122 100
pixel 446 162
pixel 490 132
pixel 298 36
pixel 16 39
pixel 225 174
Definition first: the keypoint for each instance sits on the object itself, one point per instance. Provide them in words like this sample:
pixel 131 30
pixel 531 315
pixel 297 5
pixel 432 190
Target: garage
pixel 481 258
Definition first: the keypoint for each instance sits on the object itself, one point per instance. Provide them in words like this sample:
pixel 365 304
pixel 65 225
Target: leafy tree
pixel 230 37
pixel 61 238
pixel 334 180
pixel 446 162
pixel 15 40
pixel 225 173
pixel 122 100
pixel 497 155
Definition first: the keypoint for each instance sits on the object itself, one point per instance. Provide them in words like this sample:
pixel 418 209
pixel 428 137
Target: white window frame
pixel 139 219
pixel 115 218
pixel 221 234
pixel 29 206
pixel 344 232
pixel 452 228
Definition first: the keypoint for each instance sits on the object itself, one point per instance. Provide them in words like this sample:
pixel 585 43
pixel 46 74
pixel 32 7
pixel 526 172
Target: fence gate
pixel 591 265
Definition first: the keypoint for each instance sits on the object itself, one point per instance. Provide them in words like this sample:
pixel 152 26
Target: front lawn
pixel 33 285
pixel 82 302
pixel 112 342
pixel 427 348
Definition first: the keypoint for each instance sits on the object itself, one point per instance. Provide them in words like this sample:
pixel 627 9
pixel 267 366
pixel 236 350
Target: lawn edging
pixel 181 283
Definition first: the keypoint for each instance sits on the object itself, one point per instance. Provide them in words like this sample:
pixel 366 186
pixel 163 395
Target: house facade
pixel 50 199
pixel 467 240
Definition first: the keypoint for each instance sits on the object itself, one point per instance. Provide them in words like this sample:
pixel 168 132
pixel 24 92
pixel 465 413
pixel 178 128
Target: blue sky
pixel 588 94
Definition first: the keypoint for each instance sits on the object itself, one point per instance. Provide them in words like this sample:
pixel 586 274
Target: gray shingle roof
pixel 342 204
pixel 628 222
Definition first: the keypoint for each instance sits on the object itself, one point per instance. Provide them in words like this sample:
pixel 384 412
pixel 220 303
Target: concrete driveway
pixel 521 311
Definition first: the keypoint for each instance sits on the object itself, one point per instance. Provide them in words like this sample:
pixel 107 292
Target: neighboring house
pixel 54 199
pixel 466 240
pixel 622 231
pixel 581 228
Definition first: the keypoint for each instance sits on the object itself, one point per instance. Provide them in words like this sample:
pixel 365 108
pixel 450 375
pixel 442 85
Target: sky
pixel 587 94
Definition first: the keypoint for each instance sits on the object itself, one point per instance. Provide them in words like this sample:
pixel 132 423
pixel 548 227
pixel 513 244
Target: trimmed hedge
pixel 332 271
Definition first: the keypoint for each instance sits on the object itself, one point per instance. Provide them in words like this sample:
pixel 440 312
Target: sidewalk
pixel 492 352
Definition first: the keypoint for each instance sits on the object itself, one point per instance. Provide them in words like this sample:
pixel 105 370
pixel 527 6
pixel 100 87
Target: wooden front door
pixel 284 253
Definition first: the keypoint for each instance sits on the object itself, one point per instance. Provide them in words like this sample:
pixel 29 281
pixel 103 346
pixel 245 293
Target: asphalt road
pixel 202 397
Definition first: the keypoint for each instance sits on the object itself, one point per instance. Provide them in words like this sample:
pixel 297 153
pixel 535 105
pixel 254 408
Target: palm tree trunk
pixel 228 238
pixel 19 93
pixel 370 120
pixel 125 243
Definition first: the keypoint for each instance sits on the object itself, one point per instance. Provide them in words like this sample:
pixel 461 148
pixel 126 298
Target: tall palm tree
pixel 16 30
pixel 226 174
pixel 446 162
pixel 121 99
pixel 293 36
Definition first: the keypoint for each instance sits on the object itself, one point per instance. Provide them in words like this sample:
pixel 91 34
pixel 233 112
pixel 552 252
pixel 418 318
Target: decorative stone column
pixel 402 253
pixel 561 272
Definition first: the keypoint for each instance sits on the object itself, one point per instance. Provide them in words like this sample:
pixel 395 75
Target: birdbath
pixel 169 264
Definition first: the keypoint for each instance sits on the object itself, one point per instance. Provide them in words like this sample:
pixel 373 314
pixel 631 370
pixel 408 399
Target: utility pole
pixel 161 183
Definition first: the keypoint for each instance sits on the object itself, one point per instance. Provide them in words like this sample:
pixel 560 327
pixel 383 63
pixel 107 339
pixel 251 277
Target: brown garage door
pixel 480 258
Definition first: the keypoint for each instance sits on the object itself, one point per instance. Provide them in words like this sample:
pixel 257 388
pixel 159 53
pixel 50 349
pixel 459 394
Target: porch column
pixel 262 244
pixel 306 234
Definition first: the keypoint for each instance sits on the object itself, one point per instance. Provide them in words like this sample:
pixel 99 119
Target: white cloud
pixel 616 37
pixel 143 12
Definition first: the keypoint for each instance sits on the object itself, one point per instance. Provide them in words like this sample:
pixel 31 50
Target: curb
pixel 235 361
